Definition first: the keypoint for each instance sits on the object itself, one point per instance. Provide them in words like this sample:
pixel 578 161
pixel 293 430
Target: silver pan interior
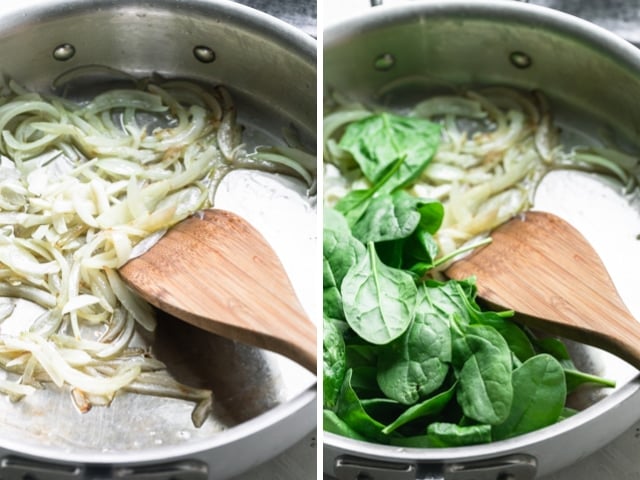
pixel 270 69
pixel 392 56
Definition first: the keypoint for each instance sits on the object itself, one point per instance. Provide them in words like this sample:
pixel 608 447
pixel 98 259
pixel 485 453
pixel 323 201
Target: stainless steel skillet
pixel 265 403
pixel 391 56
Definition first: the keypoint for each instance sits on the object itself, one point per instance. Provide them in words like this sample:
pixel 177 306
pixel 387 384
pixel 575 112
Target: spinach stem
pixel 466 248
pixel 374 274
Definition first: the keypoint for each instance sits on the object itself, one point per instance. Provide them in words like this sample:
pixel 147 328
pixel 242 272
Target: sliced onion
pixel 82 189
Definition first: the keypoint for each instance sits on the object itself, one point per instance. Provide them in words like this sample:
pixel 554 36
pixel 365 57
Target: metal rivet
pixel 204 54
pixel 64 52
pixel 520 60
pixel 384 61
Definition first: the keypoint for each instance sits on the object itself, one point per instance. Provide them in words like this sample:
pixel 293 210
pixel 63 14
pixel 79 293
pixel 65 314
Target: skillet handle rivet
pixel 520 60
pixel 204 54
pixel 384 62
pixel 64 52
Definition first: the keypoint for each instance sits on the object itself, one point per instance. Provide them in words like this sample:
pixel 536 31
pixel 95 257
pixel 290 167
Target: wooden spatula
pixel 217 272
pixel 543 268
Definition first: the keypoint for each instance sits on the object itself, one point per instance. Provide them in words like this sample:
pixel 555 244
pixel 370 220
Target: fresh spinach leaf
pixel 389 217
pixel 539 397
pixel 354 204
pixel 340 324
pixel 417 363
pixel 445 434
pixel 442 434
pixel 485 391
pixel 467 295
pixel 566 413
pixel 392 253
pixel 451 297
pixel 382 409
pixel 431 406
pixel 333 363
pixel 415 441
pixel 431 215
pixel 340 251
pixel 332 423
pixel 556 348
pixel 573 376
pixel 362 355
pixel 413 248
pixel 350 410
pixel 516 338
pixel 396 216
pixel 462 295
pixel 332 302
pixel 421 252
pixel 364 383
pixel 379 301
pixel 376 142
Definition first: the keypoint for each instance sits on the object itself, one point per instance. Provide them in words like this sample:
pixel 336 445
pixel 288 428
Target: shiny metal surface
pixel 301 14
pixel 592 78
pixel 618 16
pixel 265 403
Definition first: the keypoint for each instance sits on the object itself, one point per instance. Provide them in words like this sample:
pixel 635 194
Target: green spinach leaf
pixel 566 413
pixel 364 383
pixel 340 252
pixel 354 204
pixel 443 434
pixel 421 252
pixel 396 216
pixel 376 142
pixel 516 338
pixel 451 298
pixel 392 253
pixel 417 251
pixel 340 248
pixel 415 441
pixel 382 409
pixel 389 217
pixel 485 391
pixel 379 301
pixel 574 377
pixel 334 424
pixel 539 397
pixel 350 410
pixel 362 355
pixel 431 406
pixel 417 363
pixel 333 363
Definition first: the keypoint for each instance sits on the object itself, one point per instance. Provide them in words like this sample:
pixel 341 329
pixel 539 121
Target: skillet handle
pixel 510 467
pixel 13 467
